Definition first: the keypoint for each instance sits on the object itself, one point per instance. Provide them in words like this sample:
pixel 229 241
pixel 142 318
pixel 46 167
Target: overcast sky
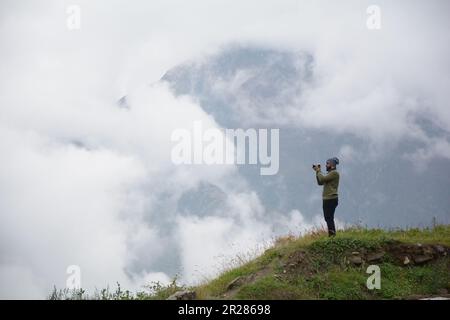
pixel 80 176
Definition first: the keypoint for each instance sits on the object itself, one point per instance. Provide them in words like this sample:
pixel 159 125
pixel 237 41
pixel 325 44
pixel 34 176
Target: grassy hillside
pixel 316 267
pixel 412 263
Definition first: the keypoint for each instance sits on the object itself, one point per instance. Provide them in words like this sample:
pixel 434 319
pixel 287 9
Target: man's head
pixel 331 163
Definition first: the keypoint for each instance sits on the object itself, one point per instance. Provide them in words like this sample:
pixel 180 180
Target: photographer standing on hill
pixel 330 183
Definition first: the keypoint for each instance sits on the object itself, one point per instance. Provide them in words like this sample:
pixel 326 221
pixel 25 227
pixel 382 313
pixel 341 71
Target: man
pixel 330 184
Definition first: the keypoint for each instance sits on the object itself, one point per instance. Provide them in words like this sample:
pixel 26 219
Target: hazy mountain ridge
pixel 375 179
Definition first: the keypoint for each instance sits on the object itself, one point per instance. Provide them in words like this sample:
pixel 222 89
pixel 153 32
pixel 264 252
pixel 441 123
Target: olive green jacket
pixel 330 184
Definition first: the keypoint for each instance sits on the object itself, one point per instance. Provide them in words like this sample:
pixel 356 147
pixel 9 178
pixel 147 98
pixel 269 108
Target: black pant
pixel 329 206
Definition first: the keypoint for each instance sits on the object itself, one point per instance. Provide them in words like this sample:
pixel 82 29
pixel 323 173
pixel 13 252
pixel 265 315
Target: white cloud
pixel 212 244
pixel 81 179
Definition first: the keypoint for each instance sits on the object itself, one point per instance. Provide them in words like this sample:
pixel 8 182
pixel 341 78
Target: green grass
pixel 321 270
pixel 439 234
pixel 327 275
pixel 336 284
pixel 271 288
pixel 218 286
pixel 397 283
pixel 152 291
